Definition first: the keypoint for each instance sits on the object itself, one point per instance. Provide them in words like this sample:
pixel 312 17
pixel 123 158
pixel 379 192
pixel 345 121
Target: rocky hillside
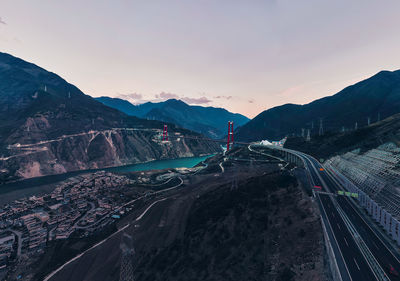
pixel 376 98
pixel 238 235
pixel 49 126
pixel 323 147
pixel 210 121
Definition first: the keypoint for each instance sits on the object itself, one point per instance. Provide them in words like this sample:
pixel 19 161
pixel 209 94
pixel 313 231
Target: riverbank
pixel 40 185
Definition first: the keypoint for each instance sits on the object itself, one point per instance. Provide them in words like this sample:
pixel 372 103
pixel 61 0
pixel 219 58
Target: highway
pixel 355 263
pixel 354 258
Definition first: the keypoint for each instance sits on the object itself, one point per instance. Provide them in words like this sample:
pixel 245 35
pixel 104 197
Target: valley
pixel 51 127
pixel 199 140
pixel 236 218
pixel 95 150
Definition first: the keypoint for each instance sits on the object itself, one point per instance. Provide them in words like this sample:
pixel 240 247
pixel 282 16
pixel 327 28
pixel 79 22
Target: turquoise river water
pixel 188 162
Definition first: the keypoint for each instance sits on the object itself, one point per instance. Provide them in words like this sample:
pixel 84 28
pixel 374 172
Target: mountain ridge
pixel 210 121
pixel 376 97
pixel 49 127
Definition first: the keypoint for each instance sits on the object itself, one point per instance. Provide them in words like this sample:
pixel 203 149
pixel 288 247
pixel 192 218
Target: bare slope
pixel 49 126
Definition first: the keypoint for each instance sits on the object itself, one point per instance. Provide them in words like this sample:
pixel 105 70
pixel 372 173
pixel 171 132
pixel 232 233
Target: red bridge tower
pixel 165 133
pixel 230 135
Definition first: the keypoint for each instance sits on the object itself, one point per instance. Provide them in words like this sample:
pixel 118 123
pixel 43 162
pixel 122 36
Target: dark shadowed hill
pixel 366 138
pixel 49 126
pixel 36 104
pixel 210 121
pixel 376 97
pixel 250 222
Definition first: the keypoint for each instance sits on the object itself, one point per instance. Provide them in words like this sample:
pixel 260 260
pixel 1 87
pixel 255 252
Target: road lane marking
pixel 338 225
pixel 334 237
pixel 356 263
pixel 346 241
pixel 351 206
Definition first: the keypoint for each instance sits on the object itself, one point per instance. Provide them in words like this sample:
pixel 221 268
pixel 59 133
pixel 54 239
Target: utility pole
pixel 308 135
pixel 356 126
pixel 312 125
pixel 321 128
pixel 302 132
pixel 369 121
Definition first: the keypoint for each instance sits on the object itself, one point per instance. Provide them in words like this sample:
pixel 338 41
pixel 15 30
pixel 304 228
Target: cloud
pixel 224 97
pixel 202 100
pixel 134 96
pixel 189 100
pixel 2 22
pixel 164 95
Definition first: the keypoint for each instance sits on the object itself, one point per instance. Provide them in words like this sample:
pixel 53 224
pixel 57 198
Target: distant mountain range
pixel 375 98
pixel 49 126
pixel 209 121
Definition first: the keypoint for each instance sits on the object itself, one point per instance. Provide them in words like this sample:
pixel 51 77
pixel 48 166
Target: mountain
pixel 209 121
pixel 49 126
pixel 363 139
pixel 376 98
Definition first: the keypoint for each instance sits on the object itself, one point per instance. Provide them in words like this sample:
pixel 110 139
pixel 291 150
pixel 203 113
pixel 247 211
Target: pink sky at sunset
pixel 245 56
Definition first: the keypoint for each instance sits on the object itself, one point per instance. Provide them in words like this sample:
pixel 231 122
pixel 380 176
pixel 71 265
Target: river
pixel 29 187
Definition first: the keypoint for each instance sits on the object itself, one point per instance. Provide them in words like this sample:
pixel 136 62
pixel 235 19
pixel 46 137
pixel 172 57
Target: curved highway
pixel 357 265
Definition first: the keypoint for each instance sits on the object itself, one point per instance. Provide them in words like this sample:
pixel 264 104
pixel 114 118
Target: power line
pixel 127 255
pixel 321 128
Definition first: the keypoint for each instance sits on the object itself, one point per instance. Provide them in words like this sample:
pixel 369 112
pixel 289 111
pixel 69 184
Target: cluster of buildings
pixel 6 247
pixel 81 205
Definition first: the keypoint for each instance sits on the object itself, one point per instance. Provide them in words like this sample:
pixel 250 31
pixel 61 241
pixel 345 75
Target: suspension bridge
pixel 229 141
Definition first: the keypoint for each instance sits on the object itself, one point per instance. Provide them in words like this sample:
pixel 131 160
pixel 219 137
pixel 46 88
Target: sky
pixel 245 56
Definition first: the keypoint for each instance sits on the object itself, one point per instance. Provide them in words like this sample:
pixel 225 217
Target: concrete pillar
pixel 396 230
pixel 362 199
pixel 393 228
pixel 375 211
pixel 388 225
pixel 366 199
pixel 398 233
pixel 383 218
pixel 369 203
